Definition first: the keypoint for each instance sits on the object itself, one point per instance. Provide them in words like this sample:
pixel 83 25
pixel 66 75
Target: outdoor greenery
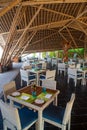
pixel 79 52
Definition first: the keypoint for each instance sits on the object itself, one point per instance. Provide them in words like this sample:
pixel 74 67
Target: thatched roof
pixel 41 25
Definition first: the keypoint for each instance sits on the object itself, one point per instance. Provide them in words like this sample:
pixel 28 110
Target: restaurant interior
pixel 43 64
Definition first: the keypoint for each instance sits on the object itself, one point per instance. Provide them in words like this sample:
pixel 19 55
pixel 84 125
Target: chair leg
pixel 64 127
pixel 68 79
pixel 21 83
pixel 4 127
pixel 75 82
pixel 27 83
pixel 69 124
pixel 43 125
pixel 55 101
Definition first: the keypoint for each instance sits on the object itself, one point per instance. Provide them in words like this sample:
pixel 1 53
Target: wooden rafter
pixel 33 43
pixel 55 12
pixel 83 30
pixel 25 31
pixel 63 36
pixel 32 35
pixel 25 3
pixel 11 34
pixel 9 7
pixel 72 39
pixel 45 26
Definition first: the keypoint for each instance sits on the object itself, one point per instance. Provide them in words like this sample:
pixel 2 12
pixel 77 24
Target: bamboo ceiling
pixel 41 25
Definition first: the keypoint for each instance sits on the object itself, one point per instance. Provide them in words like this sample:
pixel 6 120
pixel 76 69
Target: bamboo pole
pixel 26 29
pixel 9 7
pixel 11 34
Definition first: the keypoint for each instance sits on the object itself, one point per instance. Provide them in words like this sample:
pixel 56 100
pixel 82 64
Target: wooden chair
pixel 74 74
pixel 27 76
pixel 17 119
pixel 7 90
pixel 51 84
pixel 50 75
pixel 59 116
pixel 44 65
pixel 78 66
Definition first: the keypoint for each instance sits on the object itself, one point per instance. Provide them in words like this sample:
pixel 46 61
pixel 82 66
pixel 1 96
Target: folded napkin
pixel 48 95
pixel 25 97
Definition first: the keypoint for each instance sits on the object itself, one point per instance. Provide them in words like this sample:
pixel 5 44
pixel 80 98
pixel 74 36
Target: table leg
pixel 83 81
pixel 11 103
pixel 40 121
pixel 37 79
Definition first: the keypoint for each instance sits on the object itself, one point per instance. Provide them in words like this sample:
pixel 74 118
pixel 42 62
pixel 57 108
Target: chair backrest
pixel 10 115
pixel 61 65
pixel 72 72
pixel 24 73
pixel 51 84
pixel 44 65
pixel 78 66
pixel 68 109
pixel 8 89
pixel 54 61
pixel 50 74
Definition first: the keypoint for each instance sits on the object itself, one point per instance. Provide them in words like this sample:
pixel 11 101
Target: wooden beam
pixel 9 7
pixel 63 36
pixel 11 34
pixel 72 39
pixel 55 12
pixel 81 14
pixel 25 30
pixel 23 47
pixel 32 35
pixel 44 26
pixel 79 24
pixel 44 38
pixel 38 2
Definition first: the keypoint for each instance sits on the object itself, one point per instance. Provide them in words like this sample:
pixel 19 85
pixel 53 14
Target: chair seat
pixel 42 77
pixel 27 116
pixel 32 77
pixel 17 105
pixel 54 113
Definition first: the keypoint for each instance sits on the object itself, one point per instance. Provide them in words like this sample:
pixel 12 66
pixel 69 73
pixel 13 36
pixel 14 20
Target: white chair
pixel 59 116
pixel 44 65
pixel 62 67
pixel 78 66
pixel 74 74
pixel 17 119
pixel 26 65
pixel 51 84
pixel 54 62
pixel 50 75
pixel 7 90
pixel 27 76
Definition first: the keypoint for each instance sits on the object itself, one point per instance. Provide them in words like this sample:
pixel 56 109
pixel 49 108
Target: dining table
pixel 36 98
pixel 37 72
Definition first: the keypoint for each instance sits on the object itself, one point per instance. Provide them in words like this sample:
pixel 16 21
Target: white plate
pixel 25 97
pixel 15 94
pixel 39 101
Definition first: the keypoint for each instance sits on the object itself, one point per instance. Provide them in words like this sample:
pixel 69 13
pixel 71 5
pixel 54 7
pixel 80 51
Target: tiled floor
pixel 79 112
